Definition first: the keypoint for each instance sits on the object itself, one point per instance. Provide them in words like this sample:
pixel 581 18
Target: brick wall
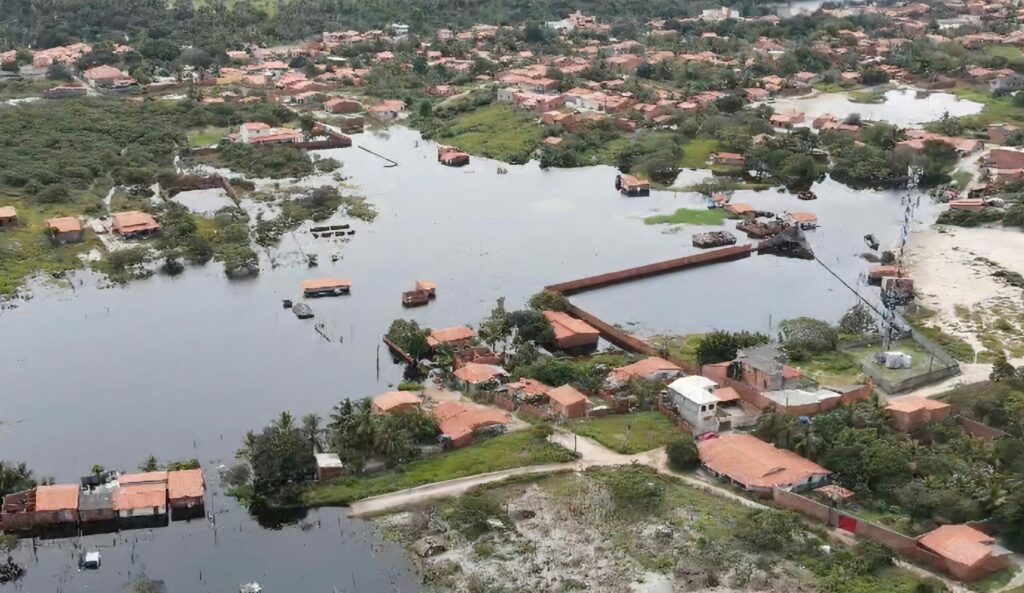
pixel 504 402
pixel 982 431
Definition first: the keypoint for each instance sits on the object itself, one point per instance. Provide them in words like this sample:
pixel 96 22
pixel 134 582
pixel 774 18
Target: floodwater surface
pixel 902 107
pixel 183 367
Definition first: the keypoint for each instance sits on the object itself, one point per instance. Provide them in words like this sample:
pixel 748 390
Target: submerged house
pixel 186 490
pixel 141 498
pixel 320 287
pixel 40 508
pixel 631 186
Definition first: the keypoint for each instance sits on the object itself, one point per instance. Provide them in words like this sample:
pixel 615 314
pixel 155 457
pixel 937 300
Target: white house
pixel 694 399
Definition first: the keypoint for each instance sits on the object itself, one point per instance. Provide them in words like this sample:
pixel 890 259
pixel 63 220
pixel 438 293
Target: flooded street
pixel 182 367
pixel 902 107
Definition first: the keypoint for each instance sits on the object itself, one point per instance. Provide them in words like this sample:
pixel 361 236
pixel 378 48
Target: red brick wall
pixel 982 431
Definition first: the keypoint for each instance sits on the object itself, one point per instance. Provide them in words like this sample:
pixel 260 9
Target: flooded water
pixel 902 107
pixel 182 367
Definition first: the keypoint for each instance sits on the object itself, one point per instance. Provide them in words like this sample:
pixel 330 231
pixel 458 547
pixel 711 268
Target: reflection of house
pixel 757 466
pixel 459 421
pixel 571 332
pixel 969 554
pixel 394 402
pixel 652 369
pixel 912 412
pixel 134 224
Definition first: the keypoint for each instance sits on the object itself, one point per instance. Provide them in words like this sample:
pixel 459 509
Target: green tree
pixel 149 465
pixel 14 478
pixel 408 336
pixel 682 454
pixel 495 327
pixel 722 346
pixel 549 301
pixel 282 462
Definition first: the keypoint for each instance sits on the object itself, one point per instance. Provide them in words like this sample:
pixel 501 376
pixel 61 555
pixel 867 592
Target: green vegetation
pixel 410 337
pixel 207 136
pixel 517 449
pixel 587 375
pixel 20 88
pixel 922 363
pixel 274 162
pixel 723 346
pixel 629 433
pixel 690 216
pixel 1007 52
pixel 14 478
pixel 682 454
pixel 696 153
pixel 300 205
pixel 957 347
pixel 872 96
pixel 496 132
pixel 834 369
pixel 679 347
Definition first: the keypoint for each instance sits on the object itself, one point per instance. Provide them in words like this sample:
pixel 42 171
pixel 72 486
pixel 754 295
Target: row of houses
pixel 106 501
pixel 68 229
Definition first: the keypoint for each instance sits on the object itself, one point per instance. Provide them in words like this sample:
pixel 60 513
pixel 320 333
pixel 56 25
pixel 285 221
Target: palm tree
pixel 14 478
pixel 312 429
pixel 285 422
pixel 248 446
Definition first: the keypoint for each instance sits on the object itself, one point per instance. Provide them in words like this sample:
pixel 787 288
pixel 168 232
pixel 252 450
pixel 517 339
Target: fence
pixel 977 429
pixel 948 366
pixel 709 257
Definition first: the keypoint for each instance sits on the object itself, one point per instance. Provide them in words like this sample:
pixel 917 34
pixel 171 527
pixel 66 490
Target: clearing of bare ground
pixel 629 529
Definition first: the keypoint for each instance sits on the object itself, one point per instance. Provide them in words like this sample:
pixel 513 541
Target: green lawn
pixel 679 347
pixel 922 360
pixel 629 433
pixel 517 449
pixel 996 581
pixel 696 153
pixel 1003 51
pixel 996 110
pixel 496 132
pixel 690 216
pixel 831 368
pixel 962 178
pixel 206 136
pixel 874 96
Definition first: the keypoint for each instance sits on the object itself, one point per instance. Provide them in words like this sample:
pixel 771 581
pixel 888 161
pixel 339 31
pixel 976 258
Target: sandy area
pixel 953 274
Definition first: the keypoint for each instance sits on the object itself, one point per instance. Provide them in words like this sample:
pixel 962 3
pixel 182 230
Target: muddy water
pixel 183 367
pixel 902 107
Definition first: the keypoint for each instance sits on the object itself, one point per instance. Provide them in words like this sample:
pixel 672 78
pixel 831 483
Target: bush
pixel 770 530
pixel 408 336
pixel 682 454
pixel 471 514
pixel 810 335
pixel 721 346
pixel 549 301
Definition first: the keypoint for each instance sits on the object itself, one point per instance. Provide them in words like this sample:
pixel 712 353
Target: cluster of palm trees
pixel 14 477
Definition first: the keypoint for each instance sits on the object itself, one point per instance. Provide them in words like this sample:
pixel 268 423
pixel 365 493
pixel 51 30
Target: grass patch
pixel 996 109
pixel 679 347
pixel 832 368
pixel 20 88
pixel 957 347
pixel 690 216
pixel 962 178
pixel 870 97
pixel 629 433
pixel 207 136
pixel 1008 52
pixel 995 581
pixel 517 449
pixel 696 153
pixel 496 132
pixel 922 360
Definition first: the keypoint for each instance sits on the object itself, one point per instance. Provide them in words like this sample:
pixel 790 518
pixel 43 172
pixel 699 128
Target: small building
pixel 571 333
pixel 452 337
pixel 762 367
pixel 966 553
pixel 141 498
pixel 652 369
pixel 429 287
pixel 787 120
pixel 728 159
pixel 968 204
pixel 322 287
pixel 340 105
pixel 474 375
pixel 186 490
pixel 394 402
pixel 56 505
pixel 628 185
pixel 757 466
pixel 912 412
pixel 567 403
pixel 328 466
pixel 529 391
pixel 65 229
pixel 8 216
pixel 459 422
pixel 106 76
pixel 134 224
pixel 696 402
pixel 387 110
pixel 96 499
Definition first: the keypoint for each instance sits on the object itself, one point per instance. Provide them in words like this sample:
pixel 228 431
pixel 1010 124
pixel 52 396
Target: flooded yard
pixel 182 367
pixel 902 107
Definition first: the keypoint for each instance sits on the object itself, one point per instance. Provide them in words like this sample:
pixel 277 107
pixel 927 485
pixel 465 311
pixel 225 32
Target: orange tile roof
pixel 8 212
pixel 566 325
pixel 755 463
pixel 143 478
pixel 60 497
pixel 473 372
pixel 643 368
pixel 140 496
pixel 566 395
pixel 726 394
pixel 959 543
pixel 326 284
pixel 457 419
pixel 426 285
pixel 914 403
pixel 529 387
pixel 386 402
pixel 64 224
pixel 803 217
pixel 133 221
pixel 452 334
pixel 186 483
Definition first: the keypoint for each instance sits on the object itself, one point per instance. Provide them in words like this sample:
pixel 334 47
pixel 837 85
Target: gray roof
pixel 765 358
